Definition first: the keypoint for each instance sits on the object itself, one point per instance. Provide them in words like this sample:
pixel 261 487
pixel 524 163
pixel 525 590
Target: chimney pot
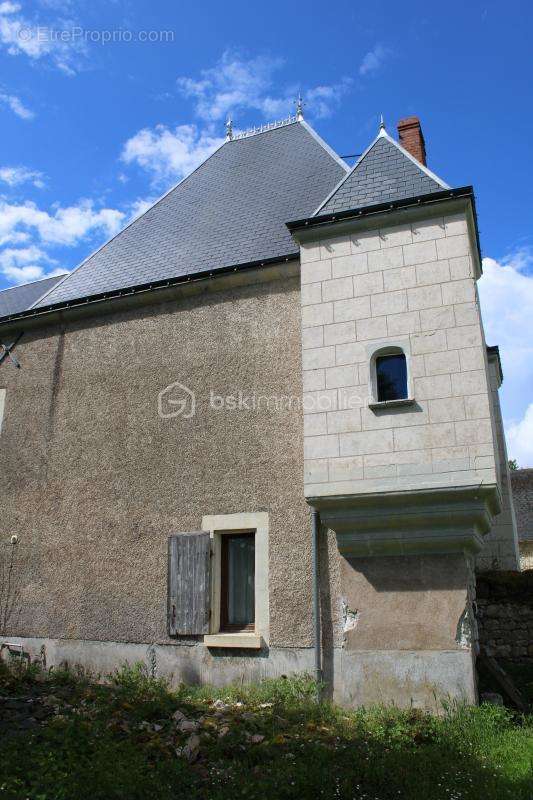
pixel 412 138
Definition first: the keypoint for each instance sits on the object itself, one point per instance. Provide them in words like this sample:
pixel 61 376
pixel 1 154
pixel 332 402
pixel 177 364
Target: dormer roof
pixel 384 172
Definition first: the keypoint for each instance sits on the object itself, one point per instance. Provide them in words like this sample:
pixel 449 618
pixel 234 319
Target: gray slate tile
pixel 384 174
pixel 230 211
pixel 20 298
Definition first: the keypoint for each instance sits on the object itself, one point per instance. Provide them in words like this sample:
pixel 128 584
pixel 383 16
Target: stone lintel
pixel 410 523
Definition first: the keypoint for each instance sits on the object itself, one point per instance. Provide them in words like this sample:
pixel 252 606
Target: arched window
pixel 391 377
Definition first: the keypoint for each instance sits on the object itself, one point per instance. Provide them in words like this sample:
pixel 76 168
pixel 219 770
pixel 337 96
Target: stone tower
pixel 400 429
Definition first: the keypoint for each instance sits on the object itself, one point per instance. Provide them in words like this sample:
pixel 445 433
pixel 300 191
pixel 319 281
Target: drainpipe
pixel 315 527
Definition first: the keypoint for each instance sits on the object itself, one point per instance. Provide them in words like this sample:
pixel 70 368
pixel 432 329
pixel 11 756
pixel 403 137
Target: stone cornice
pixel 410 523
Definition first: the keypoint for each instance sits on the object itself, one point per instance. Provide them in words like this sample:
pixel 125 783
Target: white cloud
pixel 26 264
pixel 29 273
pixel 322 100
pixel 65 226
pixel 16 105
pixel 520 439
pixel 506 295
pixel 374 59
pixel 28 232
pixel 169 153
pixel 232 84
pixel 55 41
pixel 236 83
pixel 9 8
pixel 15 176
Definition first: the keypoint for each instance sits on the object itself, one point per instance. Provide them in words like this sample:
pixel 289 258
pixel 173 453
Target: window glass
pixel 391 377
pixel 238 579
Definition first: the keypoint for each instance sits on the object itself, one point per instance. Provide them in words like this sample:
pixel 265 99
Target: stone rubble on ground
pixel 188 726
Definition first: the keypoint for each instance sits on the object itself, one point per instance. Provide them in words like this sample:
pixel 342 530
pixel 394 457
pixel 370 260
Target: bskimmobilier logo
pixel 176 400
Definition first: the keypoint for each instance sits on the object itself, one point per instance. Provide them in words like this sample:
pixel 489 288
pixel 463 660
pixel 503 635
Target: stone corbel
pixel 410 523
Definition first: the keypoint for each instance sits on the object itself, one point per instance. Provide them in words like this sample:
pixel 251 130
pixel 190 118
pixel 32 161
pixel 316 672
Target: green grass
pixel 118 739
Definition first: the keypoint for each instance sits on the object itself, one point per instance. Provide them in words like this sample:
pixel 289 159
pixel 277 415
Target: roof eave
pixel 46 312
pixel 462 192
pixel 380 208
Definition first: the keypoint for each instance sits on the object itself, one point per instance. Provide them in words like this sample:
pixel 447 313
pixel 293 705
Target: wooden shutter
pixel 189 590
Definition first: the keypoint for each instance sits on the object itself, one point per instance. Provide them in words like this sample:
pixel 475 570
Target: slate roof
pixel 385 172
pixel 21 298
pixel 230 211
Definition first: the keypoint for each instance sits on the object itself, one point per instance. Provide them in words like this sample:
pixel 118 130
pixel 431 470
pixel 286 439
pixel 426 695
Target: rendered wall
pixel 93 480
pixel 404 632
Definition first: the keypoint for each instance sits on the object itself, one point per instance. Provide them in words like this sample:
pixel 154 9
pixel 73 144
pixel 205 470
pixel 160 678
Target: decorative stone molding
pixel 218 525
pixel 410 523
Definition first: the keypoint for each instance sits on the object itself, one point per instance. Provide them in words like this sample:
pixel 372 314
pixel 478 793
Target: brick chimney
pixel 412 138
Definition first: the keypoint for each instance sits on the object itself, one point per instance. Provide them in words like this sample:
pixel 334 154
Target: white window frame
pixel 218 525
pixel 385 348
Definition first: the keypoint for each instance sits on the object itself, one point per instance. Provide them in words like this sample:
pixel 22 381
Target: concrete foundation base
pixel 421 679
pixel 404 678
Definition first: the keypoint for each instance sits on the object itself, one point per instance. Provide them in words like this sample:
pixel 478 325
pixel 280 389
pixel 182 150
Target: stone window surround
pixel 383 348
pixel 218 525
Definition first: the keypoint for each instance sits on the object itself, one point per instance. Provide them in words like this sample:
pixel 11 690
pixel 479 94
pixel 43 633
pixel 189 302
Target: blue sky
pixel 93 129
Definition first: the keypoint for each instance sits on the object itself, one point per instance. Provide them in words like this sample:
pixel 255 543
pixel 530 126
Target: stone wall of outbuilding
pixel 505 614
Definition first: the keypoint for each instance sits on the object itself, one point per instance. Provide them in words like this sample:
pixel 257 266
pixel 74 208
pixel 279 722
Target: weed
pixel 133 736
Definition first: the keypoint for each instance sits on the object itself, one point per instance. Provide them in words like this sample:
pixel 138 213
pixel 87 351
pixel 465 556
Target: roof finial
pixel 229 129
pixel 381 123
pixel 299 108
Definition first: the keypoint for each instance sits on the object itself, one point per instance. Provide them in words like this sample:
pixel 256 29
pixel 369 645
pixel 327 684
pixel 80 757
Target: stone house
pixel 522 485
pixel 258 431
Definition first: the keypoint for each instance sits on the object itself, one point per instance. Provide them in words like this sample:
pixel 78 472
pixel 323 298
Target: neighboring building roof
pixel 231 211
pixel 385 172
pixel 20 298
pixel 522 485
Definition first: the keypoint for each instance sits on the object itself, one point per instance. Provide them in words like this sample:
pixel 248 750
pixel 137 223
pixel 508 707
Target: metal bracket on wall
pixel 6 351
